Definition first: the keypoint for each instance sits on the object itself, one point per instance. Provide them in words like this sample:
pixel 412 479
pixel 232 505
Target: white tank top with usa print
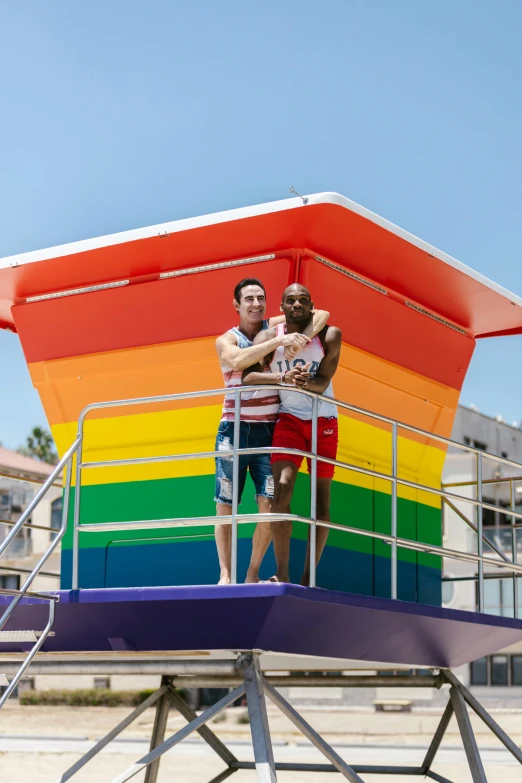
pixel 297 404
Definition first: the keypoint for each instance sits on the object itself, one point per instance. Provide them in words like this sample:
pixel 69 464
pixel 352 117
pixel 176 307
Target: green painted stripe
pixel 193 496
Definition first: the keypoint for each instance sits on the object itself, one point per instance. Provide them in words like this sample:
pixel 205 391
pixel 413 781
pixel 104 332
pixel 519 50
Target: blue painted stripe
pixel 193 563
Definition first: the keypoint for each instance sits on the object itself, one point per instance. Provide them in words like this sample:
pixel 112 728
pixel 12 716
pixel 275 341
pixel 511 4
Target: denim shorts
pixel 251 435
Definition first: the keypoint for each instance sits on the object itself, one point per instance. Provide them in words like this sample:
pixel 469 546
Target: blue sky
pixel 116 115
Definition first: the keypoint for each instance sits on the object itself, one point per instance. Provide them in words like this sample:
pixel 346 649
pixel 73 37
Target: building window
pixel 516 670
pixel 504 454
pixel 477 444
pixel 10 582
pixel 467 441
pixel 499 670
pixel 56 515
pixel 488 515
pixel 479 672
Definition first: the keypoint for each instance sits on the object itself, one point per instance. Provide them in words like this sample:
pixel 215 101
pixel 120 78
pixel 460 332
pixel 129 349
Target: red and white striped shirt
pixel 256 406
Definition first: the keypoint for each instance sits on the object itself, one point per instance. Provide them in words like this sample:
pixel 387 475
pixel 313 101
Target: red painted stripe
pixel 144 314
pixel 254 402
pixel 380 325
pixel 267 417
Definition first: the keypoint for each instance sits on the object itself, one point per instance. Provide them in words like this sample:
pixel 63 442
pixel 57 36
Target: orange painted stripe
pixel 66 386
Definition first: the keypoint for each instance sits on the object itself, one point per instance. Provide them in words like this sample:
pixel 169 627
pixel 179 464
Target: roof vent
pixel 435 317
pixel 353 276
pixel 221 265
pixel 74 291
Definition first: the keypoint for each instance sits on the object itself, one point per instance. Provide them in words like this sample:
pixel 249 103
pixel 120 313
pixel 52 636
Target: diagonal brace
pixel 438 737
pixel 223 775
pixel 341 766
pixel 434 776
pixel 468 738
pixel 484 715
pixel 180 735
pixel 153 698
pixel 204 731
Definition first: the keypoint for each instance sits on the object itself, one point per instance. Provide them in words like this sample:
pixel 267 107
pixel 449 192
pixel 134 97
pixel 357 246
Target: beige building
pixel 500 488
pixel 20 480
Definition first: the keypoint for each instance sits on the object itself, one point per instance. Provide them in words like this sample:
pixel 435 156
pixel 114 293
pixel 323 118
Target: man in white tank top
pixel 313 369
pixel 258 413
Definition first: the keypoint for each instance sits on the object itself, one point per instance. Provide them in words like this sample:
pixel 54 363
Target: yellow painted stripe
pixel 194 430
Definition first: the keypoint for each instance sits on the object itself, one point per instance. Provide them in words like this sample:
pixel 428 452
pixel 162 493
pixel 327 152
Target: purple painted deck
pixel 279 618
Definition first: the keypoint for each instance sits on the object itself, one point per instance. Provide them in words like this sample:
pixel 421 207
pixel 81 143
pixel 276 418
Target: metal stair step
pixel 20 636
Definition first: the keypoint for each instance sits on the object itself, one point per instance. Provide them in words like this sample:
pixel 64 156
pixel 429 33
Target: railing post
pixel 76 510
pixel 480 542
pixel 235 484
pixel 313 494
pixel 394 513
pixel 514 546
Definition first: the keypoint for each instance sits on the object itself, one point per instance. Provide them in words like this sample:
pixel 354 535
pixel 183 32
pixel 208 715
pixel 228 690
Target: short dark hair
pixel 244 282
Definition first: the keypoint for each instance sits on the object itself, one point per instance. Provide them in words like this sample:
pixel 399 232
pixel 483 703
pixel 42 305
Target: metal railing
pixel 234 518
pixel 489 532
pixel 38 636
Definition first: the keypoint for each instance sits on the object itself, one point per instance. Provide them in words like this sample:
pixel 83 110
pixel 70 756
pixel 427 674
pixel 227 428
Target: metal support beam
pixel 163 666
pixel 468 738
pixel 180 735
pixel 288 766
pixel 204 732
pixel 437 737
pixel 153 698
pixel 484 715
pixel 437 777
pixel 263 754
pixel 340 765
pixel 204 674
pixel 341 681
pixel 223 775
pixel 158 731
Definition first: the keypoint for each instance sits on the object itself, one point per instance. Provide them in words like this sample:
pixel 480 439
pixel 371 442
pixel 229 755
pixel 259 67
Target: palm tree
pixel 40 445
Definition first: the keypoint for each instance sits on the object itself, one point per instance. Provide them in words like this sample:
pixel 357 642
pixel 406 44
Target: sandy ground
pixel 48 768
pixel 410 733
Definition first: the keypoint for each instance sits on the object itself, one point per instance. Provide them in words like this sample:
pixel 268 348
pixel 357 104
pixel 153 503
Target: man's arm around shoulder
pixel 236 358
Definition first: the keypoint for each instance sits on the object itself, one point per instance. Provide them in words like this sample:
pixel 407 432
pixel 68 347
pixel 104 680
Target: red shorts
pixel 291 432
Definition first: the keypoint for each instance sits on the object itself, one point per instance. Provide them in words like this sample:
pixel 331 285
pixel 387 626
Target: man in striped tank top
pixel 313 369
pixel 258 413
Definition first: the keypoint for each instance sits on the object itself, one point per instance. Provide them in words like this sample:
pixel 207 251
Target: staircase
pixel 32 636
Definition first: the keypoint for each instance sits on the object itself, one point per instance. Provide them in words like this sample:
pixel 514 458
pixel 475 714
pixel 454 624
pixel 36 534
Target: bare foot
pixel 273 580
pixel 252 579
pixel 225 580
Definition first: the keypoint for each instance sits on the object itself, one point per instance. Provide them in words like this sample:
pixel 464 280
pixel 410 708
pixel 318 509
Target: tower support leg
pixel 468 738
pixel 484 716
pixel 158 731
pixel 263 754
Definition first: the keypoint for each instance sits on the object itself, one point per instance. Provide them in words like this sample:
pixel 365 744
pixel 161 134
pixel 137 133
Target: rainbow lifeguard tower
pixel 119 334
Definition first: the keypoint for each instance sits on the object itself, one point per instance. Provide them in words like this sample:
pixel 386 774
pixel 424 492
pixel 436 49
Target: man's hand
pixel 296 346
pixel 295 341
pixel 297 376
